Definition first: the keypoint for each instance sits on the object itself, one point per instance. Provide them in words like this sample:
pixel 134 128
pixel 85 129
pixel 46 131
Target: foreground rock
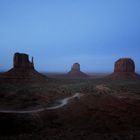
pixel 23 70
pixel 76 72
pixel 124 69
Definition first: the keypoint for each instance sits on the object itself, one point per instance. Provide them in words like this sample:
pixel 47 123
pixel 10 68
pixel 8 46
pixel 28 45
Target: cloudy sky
pixel 58 33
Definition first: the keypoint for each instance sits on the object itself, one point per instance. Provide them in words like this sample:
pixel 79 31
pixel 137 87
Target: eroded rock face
pixel 124 65
pixel 23 70
pixel 124 69
pixel 76 67
pixel 22 61
pixel 76 72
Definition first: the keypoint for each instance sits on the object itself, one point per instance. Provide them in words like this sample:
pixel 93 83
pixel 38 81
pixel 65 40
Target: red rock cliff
pixel 124 65
pixel 124 69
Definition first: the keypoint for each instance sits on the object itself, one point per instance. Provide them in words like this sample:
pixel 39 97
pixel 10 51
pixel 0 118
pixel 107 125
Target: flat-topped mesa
pixel 124 69
pixel 125 65
pixel 76 72
pixel 22 61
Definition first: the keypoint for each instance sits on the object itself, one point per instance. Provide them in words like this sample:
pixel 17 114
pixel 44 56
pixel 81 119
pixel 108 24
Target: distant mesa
pixel 23 69
pixel 124 69
pixel 76 72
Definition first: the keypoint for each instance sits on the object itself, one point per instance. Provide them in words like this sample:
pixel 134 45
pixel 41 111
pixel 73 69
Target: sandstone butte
pixel 76 72
pixel 23 70
pixel 124 69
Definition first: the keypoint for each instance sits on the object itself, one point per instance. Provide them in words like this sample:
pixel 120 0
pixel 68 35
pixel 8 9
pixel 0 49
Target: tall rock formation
pixel 76 72
pixel 124 65
pixel 124 69
pixel 23 70
pixel 22 61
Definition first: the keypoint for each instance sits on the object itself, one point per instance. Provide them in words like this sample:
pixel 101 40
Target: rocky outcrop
pixel 76 67
pixel 124 69
pixel 23 70
pixel 76 72
pixel 124 65
pixel 22 61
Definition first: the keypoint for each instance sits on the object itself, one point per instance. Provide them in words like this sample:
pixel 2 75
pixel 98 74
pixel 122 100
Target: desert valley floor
pixel 107 110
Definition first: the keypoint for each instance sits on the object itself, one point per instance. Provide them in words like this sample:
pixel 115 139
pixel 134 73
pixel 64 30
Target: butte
pixel 23 70
pixel 124 69
pixel 76 72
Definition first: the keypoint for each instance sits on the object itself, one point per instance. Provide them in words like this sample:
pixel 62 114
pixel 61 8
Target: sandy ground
pixel 107 111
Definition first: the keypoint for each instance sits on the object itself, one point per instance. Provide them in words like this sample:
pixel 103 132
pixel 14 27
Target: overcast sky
pixel 58 33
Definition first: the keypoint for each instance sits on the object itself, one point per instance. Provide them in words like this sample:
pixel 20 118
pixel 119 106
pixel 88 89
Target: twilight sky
pixel 58 33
